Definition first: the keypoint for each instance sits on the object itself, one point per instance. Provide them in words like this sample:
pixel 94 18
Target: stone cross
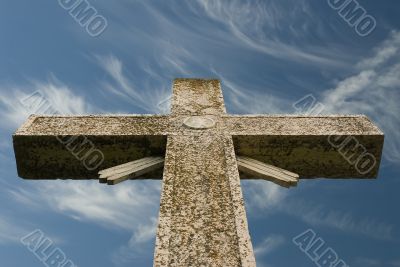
pixel 204 152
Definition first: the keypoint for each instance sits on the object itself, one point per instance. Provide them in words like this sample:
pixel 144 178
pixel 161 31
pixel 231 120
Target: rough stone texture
pixel 296 143
pixel 202 217
pixel 95 125
pixel 45 157
pixel 197 97
pixel 198 225
pixel 40 154
pixel 300 144
pixel 295 125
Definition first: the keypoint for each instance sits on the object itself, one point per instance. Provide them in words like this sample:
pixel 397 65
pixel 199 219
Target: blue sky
pixel 268 55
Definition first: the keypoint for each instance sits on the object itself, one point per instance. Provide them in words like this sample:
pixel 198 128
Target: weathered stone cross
pixel 202 216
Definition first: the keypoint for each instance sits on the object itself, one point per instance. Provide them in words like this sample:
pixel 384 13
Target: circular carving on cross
pixel 198 122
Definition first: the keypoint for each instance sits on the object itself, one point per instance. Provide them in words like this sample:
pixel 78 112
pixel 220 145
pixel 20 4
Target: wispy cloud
pixel 62 99
pixel 112 207
pixel 138 244
pixel 10 231
pixel 269 244
pixel 369 262
pixel 252 101
pixel 123 87
pixel 385 52
pixel 269 199
pixel 263 25
pixel 374 91
pixel 319 215
pixel 132 207
pixel 395 263
pixel 264 195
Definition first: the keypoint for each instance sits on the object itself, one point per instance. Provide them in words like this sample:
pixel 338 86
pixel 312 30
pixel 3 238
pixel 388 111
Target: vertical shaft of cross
pixel 202 218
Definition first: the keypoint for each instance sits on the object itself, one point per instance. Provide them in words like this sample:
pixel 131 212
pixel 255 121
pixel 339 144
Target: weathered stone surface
pixel 45 157
pixel 197 97
pixel 201 205
pixel 302 144
pixel 299 144
pixel 95 125
pixel 202 217
pixel 295 125
pixel 41 152
pixel 199 122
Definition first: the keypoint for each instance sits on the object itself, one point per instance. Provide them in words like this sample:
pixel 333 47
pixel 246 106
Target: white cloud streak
pixel 269 244
pixel 264 195
pixel 123 207
pixel 10 232
pixel 148 99
pixel 250 101
pixel 258 24
pixel 269 198
pixel 375 91
pixel 138 244
pixel 369 262
pixel 131 207
pixel 318 215
pixel 62 99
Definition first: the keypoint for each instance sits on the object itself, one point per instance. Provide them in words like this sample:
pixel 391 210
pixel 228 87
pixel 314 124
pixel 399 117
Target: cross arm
pixel 320 146
pixel 77 147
